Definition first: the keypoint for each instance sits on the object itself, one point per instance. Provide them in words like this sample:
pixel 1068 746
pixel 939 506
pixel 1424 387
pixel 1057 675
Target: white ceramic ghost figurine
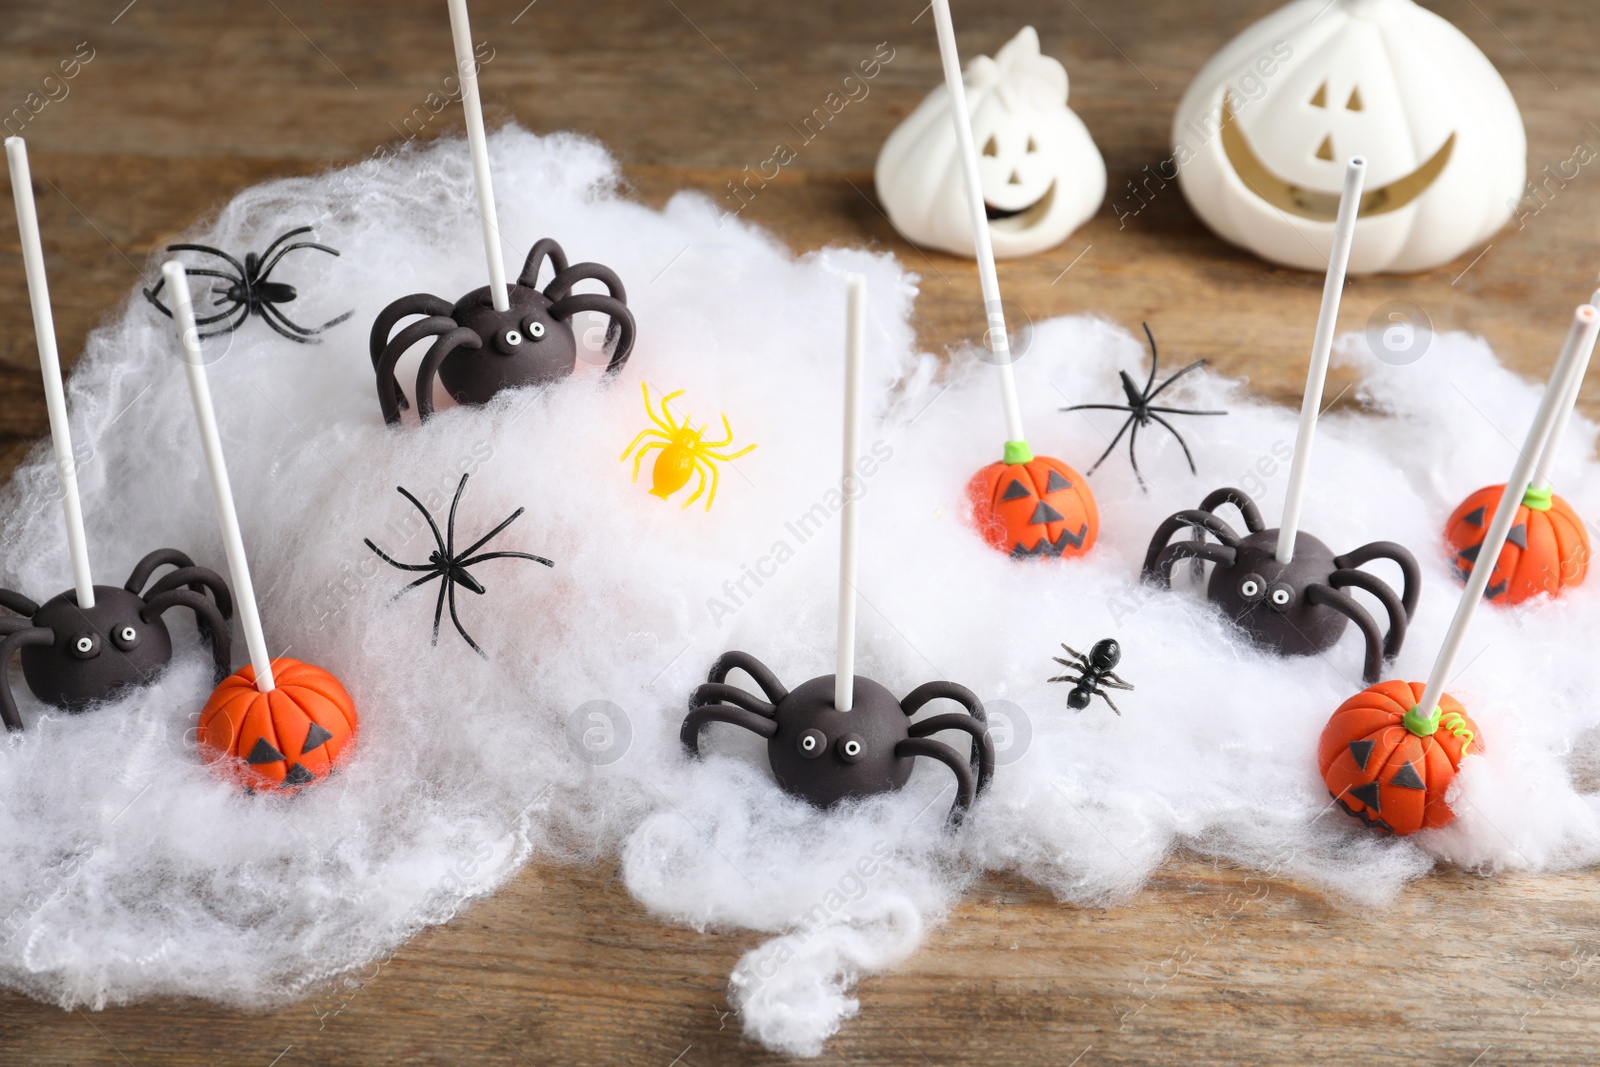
pixel 1042 175
pixel 1263 134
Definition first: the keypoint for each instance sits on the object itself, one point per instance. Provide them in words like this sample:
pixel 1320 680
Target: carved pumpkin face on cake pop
pixel 1041 507
pixel 1386 773
pixel 1262 133
pixel 1546 553
pixel 283 739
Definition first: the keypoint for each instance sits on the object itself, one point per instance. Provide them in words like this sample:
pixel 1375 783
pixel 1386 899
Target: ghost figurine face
pixel 1264 132
pixel 1041 173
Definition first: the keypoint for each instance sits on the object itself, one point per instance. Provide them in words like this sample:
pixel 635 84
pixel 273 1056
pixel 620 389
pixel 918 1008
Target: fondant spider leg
pixel 561 285
pixel 982 763
pixel 415 304
pixel 445 587
pixel 274 318
pixel 1399 619
pixel 689 735
pixel 1189 519
pixel 1239 499
pixel 1133 453
pixel 758 672
pixel 1344 604
pixel 1410 573
pixel 1161 570
pixel 544 248
pixel 450 528
pixel 243 311
pixel 13 643
pixel 199 581
pixel 622 326
pixel 461 337
pixel 208 618
pixel 505 555
pixel 390 397
pixel 723 693
pixel 18 603
pixel 982 744
pixel 1103 695
pixel 152 562
pixel 966 789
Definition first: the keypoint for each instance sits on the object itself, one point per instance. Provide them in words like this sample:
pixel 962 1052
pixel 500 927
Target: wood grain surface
pixel 185 102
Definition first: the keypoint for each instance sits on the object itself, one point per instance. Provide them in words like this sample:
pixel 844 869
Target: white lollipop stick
pixel 244 592
pixel 55 399
pixel 467 71
pixel 999 343
pixel 1580 340
pixel 1547 458
pixel 1344 232
pixel 855 344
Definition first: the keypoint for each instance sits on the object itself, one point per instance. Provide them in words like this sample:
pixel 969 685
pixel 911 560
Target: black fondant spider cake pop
pixel 497 337
pixel 840 736
pixel 248 292
pixel 1141 412
pixel 1285 588
pixel 92 641
pixel 1089 675
pixel 450 566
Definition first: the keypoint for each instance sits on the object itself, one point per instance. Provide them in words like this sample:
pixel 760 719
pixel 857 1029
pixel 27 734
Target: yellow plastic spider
pixel 683 452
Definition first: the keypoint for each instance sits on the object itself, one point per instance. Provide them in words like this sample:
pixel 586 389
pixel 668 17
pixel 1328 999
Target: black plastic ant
pixel 1092 672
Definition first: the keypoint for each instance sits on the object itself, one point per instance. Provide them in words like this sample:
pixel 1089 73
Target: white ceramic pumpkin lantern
pixel 1263 133
pixel 1041 173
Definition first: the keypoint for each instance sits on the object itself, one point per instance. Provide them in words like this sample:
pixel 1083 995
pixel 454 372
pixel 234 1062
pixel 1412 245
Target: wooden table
pixel 186 101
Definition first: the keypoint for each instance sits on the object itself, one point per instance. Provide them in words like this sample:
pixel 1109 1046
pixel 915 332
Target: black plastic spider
pixel 1141 412
pixel 446 563
pixel 249 291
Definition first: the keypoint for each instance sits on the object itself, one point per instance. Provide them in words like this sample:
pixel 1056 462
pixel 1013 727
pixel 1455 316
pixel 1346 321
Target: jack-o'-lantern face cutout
pixel 1263 136
pixel 1040 172
pixel 1017 167
pixel 1321 201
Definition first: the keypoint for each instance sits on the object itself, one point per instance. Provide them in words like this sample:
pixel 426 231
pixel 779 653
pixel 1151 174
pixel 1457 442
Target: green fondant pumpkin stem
pixel 1420 724
pixel 1538 499
pixel 1018 452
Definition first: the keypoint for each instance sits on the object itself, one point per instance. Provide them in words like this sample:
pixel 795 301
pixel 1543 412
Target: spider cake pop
pixel 1027 506
pixel 1141 412
pixel 1547 551
pixel 1285 588
pixel 497 337
pixel 843 736
pixel 1389 754
pixel 91 642
pixel 275 723
pixel 249 292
